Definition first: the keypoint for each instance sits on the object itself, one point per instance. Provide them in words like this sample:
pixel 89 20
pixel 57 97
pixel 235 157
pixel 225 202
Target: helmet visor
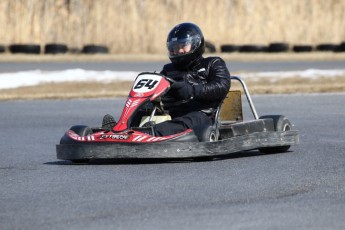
pixel 178 47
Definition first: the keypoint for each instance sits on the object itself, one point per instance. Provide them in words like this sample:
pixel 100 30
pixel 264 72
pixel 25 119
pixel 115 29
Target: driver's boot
pixel 108 122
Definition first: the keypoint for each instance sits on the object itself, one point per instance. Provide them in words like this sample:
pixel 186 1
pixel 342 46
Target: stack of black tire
pixel 54 48
pixel 95 49
pixel 280 47
pixel 276 47
pixel 209 47
pixel 2 49
pixel 340 48
pixel 25 48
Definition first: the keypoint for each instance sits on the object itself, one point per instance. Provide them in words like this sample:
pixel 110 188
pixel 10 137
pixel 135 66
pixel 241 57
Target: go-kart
pixel 131 138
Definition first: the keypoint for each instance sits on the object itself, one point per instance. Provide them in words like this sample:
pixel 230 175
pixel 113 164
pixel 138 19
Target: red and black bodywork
pixel 127 139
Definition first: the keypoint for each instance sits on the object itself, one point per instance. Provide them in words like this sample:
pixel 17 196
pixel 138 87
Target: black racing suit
pixel 210 79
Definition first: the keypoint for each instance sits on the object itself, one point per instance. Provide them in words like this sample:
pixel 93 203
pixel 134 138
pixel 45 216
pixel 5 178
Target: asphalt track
pixel 300 189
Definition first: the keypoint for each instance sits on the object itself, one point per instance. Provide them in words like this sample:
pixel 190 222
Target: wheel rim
pixel 286 127
pixel 213 137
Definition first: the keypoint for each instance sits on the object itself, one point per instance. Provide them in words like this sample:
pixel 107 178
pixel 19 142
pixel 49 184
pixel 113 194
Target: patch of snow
pixel 35 77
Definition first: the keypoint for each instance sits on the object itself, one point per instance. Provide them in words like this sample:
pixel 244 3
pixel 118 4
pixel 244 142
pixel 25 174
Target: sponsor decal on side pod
pixel 114 136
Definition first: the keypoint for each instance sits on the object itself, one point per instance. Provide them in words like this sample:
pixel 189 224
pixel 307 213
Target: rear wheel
pixel 206 133
pixel 281 123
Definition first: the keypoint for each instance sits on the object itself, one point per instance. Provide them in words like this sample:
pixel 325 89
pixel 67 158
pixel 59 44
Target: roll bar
pixel 245 89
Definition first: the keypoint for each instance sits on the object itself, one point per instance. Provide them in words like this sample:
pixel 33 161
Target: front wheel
pixel 81 130
pixel 281 123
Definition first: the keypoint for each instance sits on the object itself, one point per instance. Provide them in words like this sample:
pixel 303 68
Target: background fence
pixel 141 26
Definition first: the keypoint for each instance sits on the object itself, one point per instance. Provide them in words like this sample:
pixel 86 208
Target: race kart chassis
pixel 268 134
pixel 178 150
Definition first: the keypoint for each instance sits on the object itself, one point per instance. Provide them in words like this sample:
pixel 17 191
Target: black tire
pixel 281 123
pixel 229 48
pixel 340 48
pixel 252 48
pixel 302 48
pixel 209 47
pixel 26 49
pixel 326 47
pixel 81 130
pixel 2 49
pixel 278 47
pixel 55 49
pixel 94 49
pixel 206 133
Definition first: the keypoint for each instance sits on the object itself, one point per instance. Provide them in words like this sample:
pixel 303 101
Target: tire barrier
pixel 325 47
pixel 229 48
pixel 302 48
pixel 340 48
pixel 278 47
pixel 24 48
pixel 55 49
pixel 94 49
pixel 209 47
pixel 252 48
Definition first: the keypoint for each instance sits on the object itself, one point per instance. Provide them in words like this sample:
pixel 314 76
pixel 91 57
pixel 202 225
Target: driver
pixel 200 84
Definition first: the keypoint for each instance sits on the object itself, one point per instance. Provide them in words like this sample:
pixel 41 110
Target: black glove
pixel 182 90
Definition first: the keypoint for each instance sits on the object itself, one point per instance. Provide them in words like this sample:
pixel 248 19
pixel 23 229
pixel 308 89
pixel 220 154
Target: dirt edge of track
pixel 73 90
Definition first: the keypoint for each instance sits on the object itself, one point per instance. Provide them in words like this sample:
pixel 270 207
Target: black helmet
pixel 185 35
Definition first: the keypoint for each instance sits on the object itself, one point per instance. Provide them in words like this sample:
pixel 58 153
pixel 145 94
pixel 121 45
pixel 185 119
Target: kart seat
pixel 231 108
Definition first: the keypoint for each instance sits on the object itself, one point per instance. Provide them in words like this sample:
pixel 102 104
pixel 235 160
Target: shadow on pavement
pixel 252 153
